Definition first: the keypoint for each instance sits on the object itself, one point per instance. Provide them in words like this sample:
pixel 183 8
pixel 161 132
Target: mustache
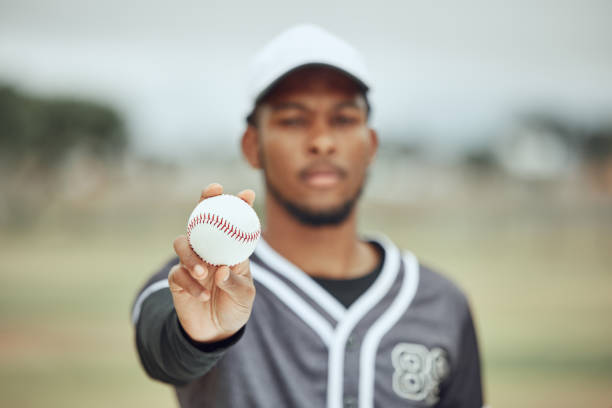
pixel 323 166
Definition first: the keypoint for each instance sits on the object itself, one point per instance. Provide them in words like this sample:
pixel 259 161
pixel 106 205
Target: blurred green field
pixel 539 278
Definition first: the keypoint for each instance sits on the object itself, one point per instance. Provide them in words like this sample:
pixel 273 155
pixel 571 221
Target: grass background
pixel 538 271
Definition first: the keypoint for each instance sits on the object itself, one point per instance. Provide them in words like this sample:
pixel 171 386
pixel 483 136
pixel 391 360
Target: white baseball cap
pixel 302 45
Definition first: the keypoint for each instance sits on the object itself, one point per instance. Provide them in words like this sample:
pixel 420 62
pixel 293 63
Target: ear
pixel 250 146
pixel 373 139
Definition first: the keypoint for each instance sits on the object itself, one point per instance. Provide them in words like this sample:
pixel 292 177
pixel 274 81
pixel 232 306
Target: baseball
pixel 223 230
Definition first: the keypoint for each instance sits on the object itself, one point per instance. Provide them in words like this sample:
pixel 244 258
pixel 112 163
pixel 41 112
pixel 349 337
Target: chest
pixel 406 366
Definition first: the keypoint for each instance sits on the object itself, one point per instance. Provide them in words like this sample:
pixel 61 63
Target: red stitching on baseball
pixel 223 225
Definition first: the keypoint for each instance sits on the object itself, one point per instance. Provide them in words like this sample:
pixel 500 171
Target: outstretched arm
pixel 182 332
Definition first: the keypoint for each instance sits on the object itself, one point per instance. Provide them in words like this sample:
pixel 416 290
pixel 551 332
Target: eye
pixel 344 120
pixel 293 122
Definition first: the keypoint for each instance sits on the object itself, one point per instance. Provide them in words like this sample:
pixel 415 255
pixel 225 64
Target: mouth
pixel 322 177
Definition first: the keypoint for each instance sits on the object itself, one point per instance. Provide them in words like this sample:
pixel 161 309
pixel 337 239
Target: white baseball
pixel 223 230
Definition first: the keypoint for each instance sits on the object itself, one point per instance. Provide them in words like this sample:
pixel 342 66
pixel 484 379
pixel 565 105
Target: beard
pixel 315 218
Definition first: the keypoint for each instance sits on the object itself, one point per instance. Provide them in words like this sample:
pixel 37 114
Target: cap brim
pixel 266 91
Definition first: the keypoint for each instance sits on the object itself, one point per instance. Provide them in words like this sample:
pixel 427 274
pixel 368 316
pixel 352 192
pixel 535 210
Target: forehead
pixel 313 80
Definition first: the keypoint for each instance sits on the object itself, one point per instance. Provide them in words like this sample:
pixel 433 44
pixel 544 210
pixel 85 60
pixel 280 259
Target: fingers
pixel 180 280
pixel 189 259
pixel 239 287
pixel 213 189
pixel 199 270
pixel 248 196
pixel 242 269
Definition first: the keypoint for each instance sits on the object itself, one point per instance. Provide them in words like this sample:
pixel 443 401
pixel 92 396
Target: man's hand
pixel 212 303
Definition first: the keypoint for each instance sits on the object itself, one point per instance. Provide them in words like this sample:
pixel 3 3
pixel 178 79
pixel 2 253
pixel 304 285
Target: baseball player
pixel 319 316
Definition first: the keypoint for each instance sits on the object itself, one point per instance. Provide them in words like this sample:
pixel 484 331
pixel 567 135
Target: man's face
pixel 314 143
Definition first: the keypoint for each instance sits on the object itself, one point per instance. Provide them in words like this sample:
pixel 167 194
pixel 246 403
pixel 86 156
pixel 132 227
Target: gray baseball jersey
pixel 407 341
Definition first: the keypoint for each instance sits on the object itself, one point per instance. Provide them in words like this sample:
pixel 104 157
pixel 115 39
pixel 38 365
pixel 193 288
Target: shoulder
pixel 436 283
pixel 432 285
pixel 440 292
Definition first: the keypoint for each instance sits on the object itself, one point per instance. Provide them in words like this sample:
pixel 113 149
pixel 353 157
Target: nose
pixel 321 141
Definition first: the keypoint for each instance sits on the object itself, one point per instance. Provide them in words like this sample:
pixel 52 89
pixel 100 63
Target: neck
pixel 333 252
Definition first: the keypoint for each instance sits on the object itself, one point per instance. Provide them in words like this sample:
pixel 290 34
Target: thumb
pixel 240 288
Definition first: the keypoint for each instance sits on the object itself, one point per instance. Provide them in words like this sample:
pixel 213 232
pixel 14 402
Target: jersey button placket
pixel 350 343
pixel 351 346
pixel 350 401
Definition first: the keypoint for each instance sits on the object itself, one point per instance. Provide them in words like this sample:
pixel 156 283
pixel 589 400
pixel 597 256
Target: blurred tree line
pixel 45 131
pixel 38 139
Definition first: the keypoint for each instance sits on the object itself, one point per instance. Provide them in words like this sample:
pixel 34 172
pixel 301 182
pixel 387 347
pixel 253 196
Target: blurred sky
pixel 452 71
